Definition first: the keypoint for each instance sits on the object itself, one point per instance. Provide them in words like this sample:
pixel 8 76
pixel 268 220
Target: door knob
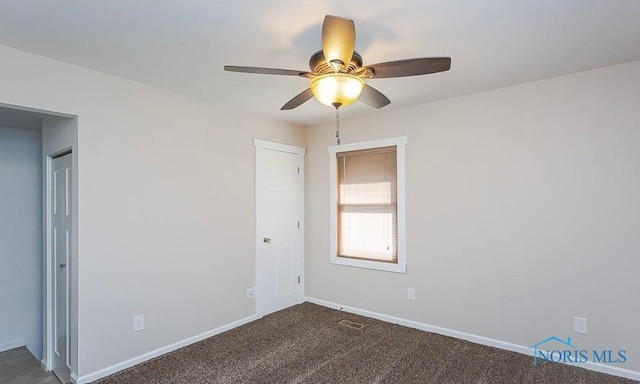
pixel 63 265
pixel 266 240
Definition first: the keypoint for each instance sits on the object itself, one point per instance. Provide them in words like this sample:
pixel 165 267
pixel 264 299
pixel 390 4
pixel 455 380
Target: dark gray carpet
pixel 305 344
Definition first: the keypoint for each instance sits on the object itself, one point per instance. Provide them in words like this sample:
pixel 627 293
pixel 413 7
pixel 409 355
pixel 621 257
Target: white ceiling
pixel 183 45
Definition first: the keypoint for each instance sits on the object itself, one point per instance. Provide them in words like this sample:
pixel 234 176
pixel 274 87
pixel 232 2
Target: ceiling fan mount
pixel 318 64
pixel 337 72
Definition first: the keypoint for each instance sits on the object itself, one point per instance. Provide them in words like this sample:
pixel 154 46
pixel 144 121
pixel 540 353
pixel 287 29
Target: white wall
pixel 523 211
pixel 21 239
pixel 165 205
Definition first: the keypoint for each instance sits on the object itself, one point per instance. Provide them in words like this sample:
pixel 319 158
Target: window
pixel 366 201
pixel 367 204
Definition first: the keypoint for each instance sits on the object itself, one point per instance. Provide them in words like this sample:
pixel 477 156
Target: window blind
pixel 367 204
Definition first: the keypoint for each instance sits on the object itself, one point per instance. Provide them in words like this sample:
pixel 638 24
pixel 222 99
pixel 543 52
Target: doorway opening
pixel 30 141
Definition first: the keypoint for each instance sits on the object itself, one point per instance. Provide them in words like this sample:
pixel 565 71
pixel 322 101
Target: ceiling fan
pixel 337 76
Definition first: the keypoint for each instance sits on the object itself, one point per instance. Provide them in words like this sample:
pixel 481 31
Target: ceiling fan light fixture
pixel 337 71
pixel 336 89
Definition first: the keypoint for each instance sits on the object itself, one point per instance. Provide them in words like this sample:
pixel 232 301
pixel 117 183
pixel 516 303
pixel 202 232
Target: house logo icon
pixel 557 350
pixel 539 351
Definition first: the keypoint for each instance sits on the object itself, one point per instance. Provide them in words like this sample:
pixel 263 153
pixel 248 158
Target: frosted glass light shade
pixel 334 88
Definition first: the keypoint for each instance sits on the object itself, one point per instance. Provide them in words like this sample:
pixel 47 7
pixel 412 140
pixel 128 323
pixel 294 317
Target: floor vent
pixel 350 324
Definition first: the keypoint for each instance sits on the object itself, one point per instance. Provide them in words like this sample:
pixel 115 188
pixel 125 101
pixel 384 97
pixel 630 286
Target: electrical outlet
pixel 251 293
pixel 411 293
pixel 138 323
pixel 580 325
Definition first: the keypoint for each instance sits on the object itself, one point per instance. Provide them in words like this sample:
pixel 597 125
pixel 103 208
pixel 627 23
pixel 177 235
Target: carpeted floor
pixel 305 344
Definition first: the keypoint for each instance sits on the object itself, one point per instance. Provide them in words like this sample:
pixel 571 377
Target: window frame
pixel 401 265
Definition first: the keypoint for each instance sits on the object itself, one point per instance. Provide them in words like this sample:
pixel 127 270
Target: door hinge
pixel 298 225
pixel 298 279
pixel 298 170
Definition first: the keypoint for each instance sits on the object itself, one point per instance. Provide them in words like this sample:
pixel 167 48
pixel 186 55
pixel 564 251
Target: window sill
pixel 369 264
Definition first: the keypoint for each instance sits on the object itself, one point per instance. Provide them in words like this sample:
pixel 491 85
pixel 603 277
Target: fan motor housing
pixel 318 64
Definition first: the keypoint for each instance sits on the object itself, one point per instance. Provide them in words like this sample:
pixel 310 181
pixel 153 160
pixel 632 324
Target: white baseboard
pixel 11 345
pixel 603 368
pixel 160 351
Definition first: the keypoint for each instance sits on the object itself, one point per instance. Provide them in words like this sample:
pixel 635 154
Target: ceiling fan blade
pixel 411 67
pixel 298 100
pixel 265 71
pixel 373 98
pixel 338 40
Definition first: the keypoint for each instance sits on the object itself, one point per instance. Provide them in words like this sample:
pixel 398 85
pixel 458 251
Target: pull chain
pixel 337 125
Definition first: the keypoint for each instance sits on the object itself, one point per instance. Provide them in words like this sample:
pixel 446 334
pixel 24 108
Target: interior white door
pixel 61 257
pixel 279 195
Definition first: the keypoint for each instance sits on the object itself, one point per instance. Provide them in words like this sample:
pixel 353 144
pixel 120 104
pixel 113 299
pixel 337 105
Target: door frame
pixel 59 136
pixel 260 146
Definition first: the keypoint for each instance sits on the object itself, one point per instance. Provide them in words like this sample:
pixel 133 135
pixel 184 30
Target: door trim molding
pixel 261 145
pixel 47 350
